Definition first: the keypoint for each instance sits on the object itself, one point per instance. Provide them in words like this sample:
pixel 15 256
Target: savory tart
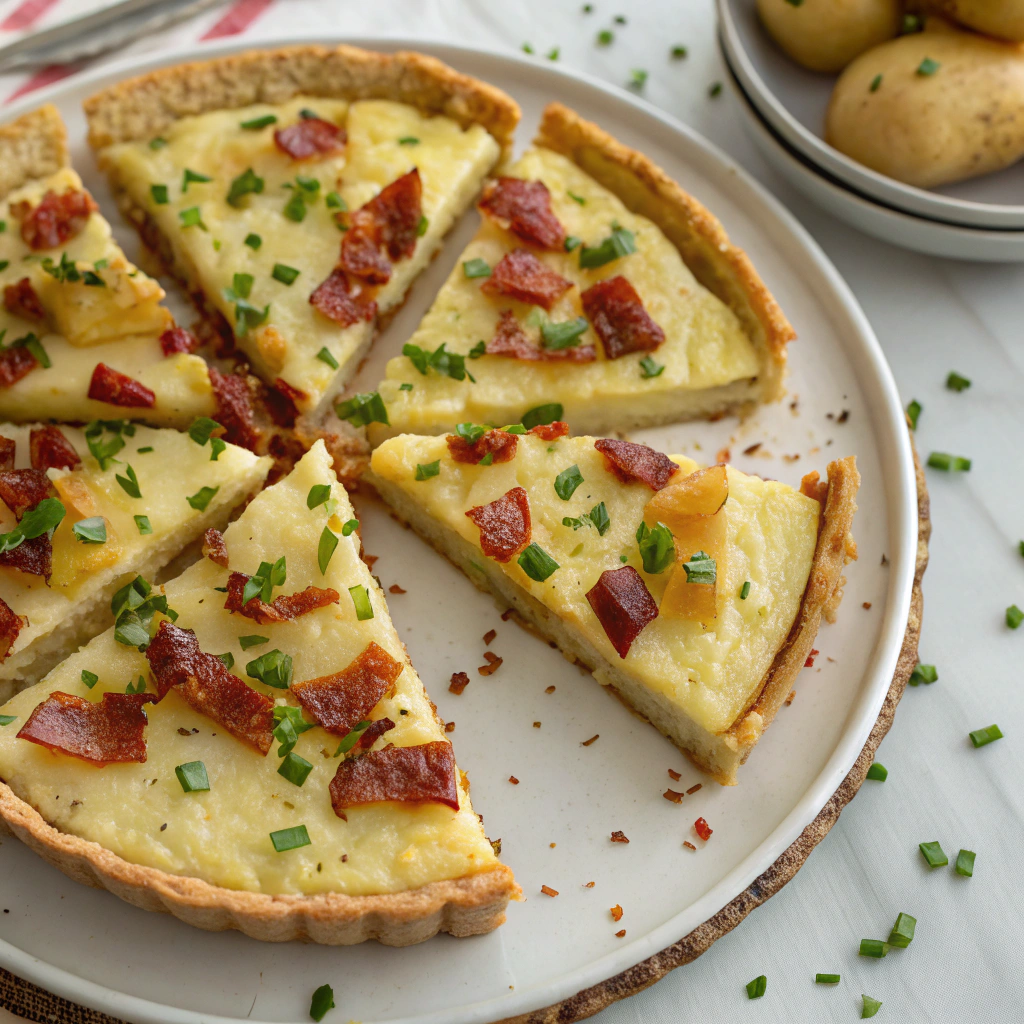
pixel 694 593
pixel 249 747
pixel 594 282
pixel 82 332
pixel 81 510
pixel 297 193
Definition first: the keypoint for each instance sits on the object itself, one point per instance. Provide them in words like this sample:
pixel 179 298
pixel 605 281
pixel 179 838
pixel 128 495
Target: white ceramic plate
pixel 793 101
pixel 89 946
pixel 902 229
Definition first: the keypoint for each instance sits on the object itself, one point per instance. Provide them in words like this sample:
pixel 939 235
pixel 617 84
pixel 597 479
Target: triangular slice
pixel 597 284
pixel 695 594
pixel 297 193
pixel 82 332
pixel 330 809
pixel 81 510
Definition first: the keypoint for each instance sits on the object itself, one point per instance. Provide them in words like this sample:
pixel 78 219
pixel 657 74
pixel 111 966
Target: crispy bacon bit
pixel 623 606
pixel 178 339
pixel 551 431
pixel 504 524
pixel 34 557
pixel 458 682
pixel 548 891
pixel 673 774
pixel 549 689
pixel 50 449
pixel 21 300
pixel 118 388
pixel 510 340
pixel 507 614
pixel 15 362
pixel 335 299
pixel 234 409
pixel 513 780
pixel 489 636
pixel 593 739
pixel 621 933
pixel 616 912
pixel 589 885
pixel 308 137
pixel 281 402
pixel 536 725
pixel 751 449
pixel 619 319
pixel 524 207
pixel 361 256
pixel 520 275
pixel 10 627
pixel 7 451
pixel 109 732
pixel 214 547
pixel 693 789
pixel 449 727
pixel 389 222
pixel 619 837
pixel 421 774
pixel 22 489
pixel 496 443
pixel 337 702
pixel 57 218
pixel 673 796
pixel 208 687
pixel 702 829
pixel 374 731
pixel 282 608
pixel 368 560
pixel 809 663
pixel 493 664
pixel 629 462
pixel 396 589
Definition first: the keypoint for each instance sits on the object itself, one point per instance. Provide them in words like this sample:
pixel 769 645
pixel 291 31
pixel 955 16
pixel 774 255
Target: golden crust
pixel 142 107
pixel 34 145
pixel 470 905
pixel 718 265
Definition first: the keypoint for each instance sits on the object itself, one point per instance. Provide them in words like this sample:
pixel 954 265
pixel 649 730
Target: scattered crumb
pixel 828 658
pixel 507 614
pixel 396 589
pixel 616 912
pixel 552 845
pixel 513 780
pixel 586 743
pixel 671 794
pixel 752 448
pixel 449 727
pixel 548 891
pixel 619 837
pixel 790 458
pixel 689 845
pixel 492 666
pixel 589 885
pixel 184 732
pixel 490 635
pixel 885 561
pixel 866 606
pixel 673 774
pixel 703 829
pixel 549 689
pixel 789 699
pixel 843 416
pixel 459 682
pixel 536 725
pixel 621 934
pixel 693 789
pixel 809 663
pixel 496 846
pixel 370 560
pixel 163 827
pixel 723 455
pixel 344 858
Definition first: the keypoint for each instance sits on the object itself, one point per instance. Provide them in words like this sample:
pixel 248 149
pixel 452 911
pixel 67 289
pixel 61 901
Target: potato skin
pixel 964 120
pixel 1001 18
pixel 825 35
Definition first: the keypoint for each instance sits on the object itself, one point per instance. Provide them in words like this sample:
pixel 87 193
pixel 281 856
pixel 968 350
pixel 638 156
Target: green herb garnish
pixel 290 839
pixel 91 531
pixel 878 772
pixel 657 548
pixel 757 987
pixel 913 413
pixel 202 498
pixel 949 463
pixel 537 563
pixel 567 481
pixel 1014 616
pixel 129 483
pixel 322 1001
pixel 325 356
pixel 932 853
pixel 873 947
pixel 253 240
pixel 259 122
pixel 361 600
pixel 90 679
pixel 557 336
pixel 294 768
pixel 424 471
pixel 192 776
pixel 540 415
pixel 318 494
pixel 189 176
pixel 649 368
pixel 965 863
pixel 870 1006
pixel 923 674
pixel 285 274
pixel 826 979
pixel 927 67
pixel 902 933
pixel 618 244
pixel 957 383
pixel 159 194
pixel 273 668
pixel 192 218
pixel 982 737
pixel 325 549
pixel 875 83
pixel 447 363
pixel 363 409
pixel 476 268
pixel 252 640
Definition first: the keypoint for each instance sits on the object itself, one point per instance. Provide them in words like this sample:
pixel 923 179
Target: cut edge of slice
pixel 721 754
pixel 32 146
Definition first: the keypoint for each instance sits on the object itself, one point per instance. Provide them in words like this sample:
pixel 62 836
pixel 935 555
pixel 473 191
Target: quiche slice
pixel 81 510
pixel 694 593
pixel 297 193
pixel 249 747
pixel 82 332
pixel 597 284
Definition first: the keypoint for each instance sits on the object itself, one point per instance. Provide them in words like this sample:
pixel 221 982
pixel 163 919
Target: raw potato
pixel 825 35
pixel 1001 18
pixel 965 119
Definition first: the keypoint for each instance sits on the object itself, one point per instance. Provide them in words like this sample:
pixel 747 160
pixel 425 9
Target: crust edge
pixel 34 145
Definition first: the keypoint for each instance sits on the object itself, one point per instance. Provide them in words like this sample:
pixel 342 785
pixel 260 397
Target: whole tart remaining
pixel 297 193
pixel 595 281
pixel 282 770
pixel 695 593
pixel 82 332
pixel 84 510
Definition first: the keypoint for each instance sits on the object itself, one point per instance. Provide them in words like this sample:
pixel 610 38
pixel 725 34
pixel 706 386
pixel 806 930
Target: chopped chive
pixel 253 240
pixel 487 460
pixel 202 498
pixel 537 563
pixel 361 600
pixel 361 410
pixel 202 429
pixel 745 590
pixel 283 273
pixel 572 242
pixel 424 471
pixel 541 415
pixel 217 445
pixel 323 1000
pixel 349 527
pixel 757 987
pixel 247 183
pixel 875 83
pixel 618 244
pixel 575 198
pixel 557 336
pixel 965 863
pixel 957 383
pixel 252 640
pixel 476 268
pixel 7 719
pixel 567 481
pixel 325 549
pixel 715 90
pixel 192 218
pixel 241 285
pixel 146 450
pixel 351 738
pixel 94 531
pixel 257 123
pixel 325 357
pixel 605 37
pixel 878 772
pixel 873 947
pixel 923 674
pixel 159 194
pixel 405 386
pixel 295 208
pixel 678 52
pixel 657 548
pixel 932 853
pixel 157 143
pixel 1014 616
pixel 902 933
pixel 527 48
pixel 294 768
pixel 90 679
pixel 189 176
pixel 554 53
pixel 130 483
pixel 983 737
pixel 290 838
pixel 192 776
pixel 928 67
pixel 637 78
pixel 318 494
pixel 619 19
pixel 826 979
pixel 649 368
pixel 470 432
pixel 273 668
pixel 309 115
pixel 913 413
pixel 701 568
pixel 408 140
pixel 333 201
pixel 422 226
pixel 870 1007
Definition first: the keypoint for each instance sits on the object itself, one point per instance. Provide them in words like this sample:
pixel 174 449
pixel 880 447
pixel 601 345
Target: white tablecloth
pixel 932 316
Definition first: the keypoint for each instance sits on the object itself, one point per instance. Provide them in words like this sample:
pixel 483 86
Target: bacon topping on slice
pixel 504 525
pixel 389 222
pixel 34 557
pixel 10 627
pixel 214 547
pixel 15 362
pixel 56 220
pixel 308 137
pixel 623 606
pixel 520 275
pixel 22 489
pixel 108 732
pixel 7 450
pixel 282 608
pixel 629 462
pixel 500 445
pixel 118 388
pixel 178 339
pixel 281 402
pixel 234 409
pixel 336 300
pixel 361 256
pixel 524 207
pixel 551 431
pixel 423 774
pixel 373 732
pixel 208 687
pixel 510 340
pixel 339 701
pixel 21 300
pixel 619 318
pixel 50 449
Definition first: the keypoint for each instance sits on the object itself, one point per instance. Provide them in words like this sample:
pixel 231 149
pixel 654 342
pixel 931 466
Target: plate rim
pixel 815 149
pixel 901 511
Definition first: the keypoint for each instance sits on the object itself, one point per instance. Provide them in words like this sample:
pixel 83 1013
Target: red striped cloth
pixel 237 18
pixel 26 14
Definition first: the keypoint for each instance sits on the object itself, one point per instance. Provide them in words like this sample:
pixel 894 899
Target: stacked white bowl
pixel 784 108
